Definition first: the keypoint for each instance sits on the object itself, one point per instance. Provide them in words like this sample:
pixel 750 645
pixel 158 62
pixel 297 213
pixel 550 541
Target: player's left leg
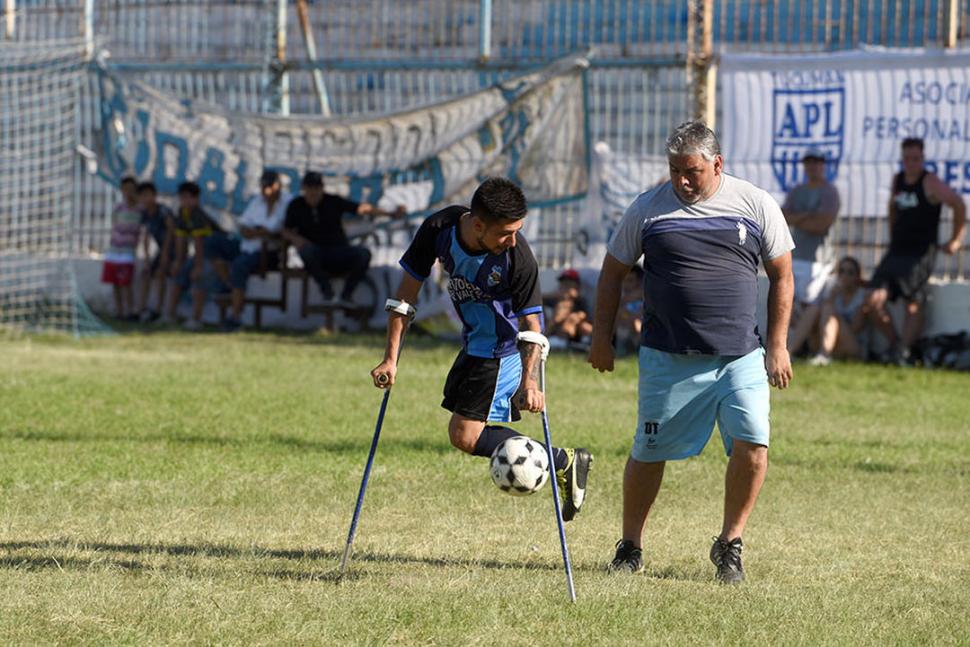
pixel 742 418
pixel 478 391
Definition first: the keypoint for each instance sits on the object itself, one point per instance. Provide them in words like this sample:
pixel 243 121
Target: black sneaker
pixel 727 557
pixel 628 558
pixel 572 481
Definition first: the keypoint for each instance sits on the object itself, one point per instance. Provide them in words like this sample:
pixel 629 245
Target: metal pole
pixel 88 28
pixel 701 72
pixel 281 57
pixel 951 20
pixel 10 7
pixel 303 13
pixel 485 30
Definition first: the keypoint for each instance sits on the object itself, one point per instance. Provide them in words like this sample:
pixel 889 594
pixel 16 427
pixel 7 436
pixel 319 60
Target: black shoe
pixel 628 558
pixel 572 481
pixel 727 557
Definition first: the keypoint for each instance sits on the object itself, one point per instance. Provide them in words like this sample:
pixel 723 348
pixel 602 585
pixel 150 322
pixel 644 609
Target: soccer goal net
pixel 39 98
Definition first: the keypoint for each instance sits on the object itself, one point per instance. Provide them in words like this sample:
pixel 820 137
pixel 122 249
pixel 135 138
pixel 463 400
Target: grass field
pixel 173 488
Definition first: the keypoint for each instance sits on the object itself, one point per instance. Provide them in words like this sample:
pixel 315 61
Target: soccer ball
pixel 519 466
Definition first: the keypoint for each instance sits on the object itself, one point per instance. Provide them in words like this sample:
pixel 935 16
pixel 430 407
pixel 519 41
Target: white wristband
pixel 400 307
pixel 532 337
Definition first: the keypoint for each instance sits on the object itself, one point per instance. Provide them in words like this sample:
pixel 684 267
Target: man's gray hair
pixel 693 138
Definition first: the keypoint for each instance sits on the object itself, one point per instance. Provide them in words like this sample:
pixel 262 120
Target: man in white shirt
pixel 260 223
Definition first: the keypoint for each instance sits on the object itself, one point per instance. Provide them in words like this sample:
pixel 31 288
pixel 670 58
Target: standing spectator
pixel 701 236
pixel 629 320
pixel 570 320
pixel 314 226
pixel 119 261
pixel 159 223
pixel 810 209
pixel 845 317
pixel 917 197
pixel 260 226
pixel 191 223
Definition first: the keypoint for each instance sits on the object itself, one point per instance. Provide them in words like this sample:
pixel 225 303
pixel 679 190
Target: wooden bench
pixel 361 313
pixel 224 301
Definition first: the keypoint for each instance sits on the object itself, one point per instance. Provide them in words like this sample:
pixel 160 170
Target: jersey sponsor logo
pixel 808 113
pixel 906 200
pixel 495 276
pixel 461 290
pixel 742 233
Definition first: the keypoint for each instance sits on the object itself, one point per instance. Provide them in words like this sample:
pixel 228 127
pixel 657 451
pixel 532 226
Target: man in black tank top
pixel 916 200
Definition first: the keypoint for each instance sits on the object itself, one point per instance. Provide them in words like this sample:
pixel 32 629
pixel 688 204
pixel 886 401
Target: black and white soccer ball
pixel 519 466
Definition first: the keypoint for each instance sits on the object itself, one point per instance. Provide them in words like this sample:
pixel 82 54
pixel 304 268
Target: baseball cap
pixel 312 178
pixel 813 154
pixel 269 178
pixel 569 275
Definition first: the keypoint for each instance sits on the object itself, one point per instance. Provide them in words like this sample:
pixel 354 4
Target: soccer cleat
pixel 572 481
pixel 726 555
pixel 628 558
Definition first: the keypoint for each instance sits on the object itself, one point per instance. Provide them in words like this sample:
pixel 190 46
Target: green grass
pixel 197 489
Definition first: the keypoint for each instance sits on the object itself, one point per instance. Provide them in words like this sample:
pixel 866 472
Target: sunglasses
pixel 847 270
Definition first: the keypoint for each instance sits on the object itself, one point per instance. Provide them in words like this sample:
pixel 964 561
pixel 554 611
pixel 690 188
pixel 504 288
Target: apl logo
pixel 806 118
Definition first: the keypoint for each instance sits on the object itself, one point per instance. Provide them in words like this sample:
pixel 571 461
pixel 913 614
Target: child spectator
pixel 159 223
pixel 845 317
pixel 191 222
pixel 570 320
pixel 119 261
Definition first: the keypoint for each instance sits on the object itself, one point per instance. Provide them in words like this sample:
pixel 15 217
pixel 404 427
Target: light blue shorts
pixel 681 396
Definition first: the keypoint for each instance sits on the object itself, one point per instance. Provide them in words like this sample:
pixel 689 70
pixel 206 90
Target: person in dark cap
pixel 569 318
pixel 314 226
pixel 259 226
pixel 810 210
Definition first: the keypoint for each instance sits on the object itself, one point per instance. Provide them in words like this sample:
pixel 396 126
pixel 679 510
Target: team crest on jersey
pixel 495 276
pixel 742 233
pixel 462 291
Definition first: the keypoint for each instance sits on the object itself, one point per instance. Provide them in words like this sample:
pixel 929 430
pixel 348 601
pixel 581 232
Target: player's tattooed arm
pixel 529 397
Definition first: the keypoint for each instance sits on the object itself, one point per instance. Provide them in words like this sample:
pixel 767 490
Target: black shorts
pixel 481 388
pixel 905 276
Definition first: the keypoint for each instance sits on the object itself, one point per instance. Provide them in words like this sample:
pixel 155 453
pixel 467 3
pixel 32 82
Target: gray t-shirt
pixel 812 199
pixel 700 261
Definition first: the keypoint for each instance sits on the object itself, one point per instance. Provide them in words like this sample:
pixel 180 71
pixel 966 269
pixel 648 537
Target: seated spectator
pixel 159 223
pixel 844 319
pixel 259 225
pixel 629 317
pixel 569 320
pixel 119 260
pixel 314 226
pixel 191 222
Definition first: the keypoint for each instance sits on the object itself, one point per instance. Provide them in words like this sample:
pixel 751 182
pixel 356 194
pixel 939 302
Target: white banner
pixel 857 107
pixel 530 129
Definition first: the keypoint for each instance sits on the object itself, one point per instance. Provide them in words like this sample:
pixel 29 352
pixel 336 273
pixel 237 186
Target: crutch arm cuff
pixel 400 307
pixel 533 337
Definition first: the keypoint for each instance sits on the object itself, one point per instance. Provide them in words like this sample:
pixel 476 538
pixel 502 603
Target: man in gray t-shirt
pixel 810 209
pixel 702 237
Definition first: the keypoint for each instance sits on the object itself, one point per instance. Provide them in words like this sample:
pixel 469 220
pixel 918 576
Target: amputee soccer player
pixel 701 236
pixel 494 285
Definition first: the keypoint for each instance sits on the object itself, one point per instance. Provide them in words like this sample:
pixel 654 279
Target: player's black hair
pixel 498 199
pixel 190 188
pixel 128 179
pixel 912 142
pixel 146 187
